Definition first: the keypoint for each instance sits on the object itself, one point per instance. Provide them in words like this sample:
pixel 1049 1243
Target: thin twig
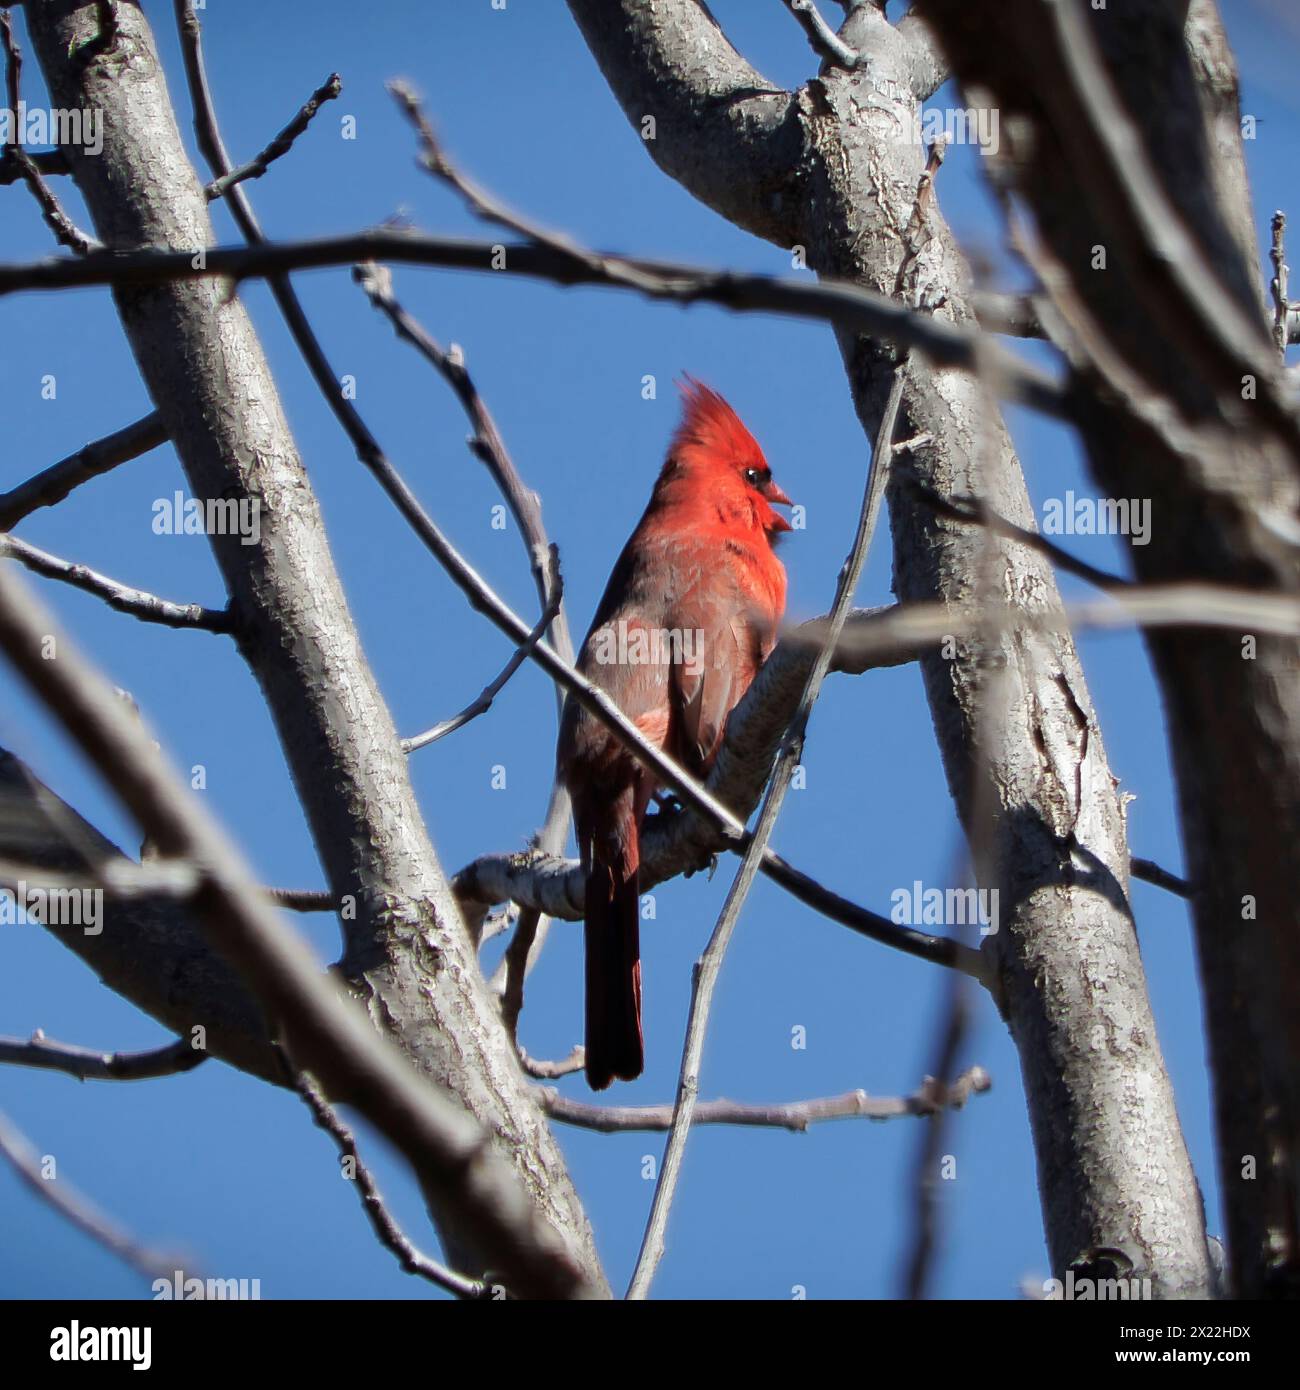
pixel 793 1115
pixel 79 1210
pixel 977 512
pixel 486 442
pixel 483 701
pixel 497 923
pixel 485 205
pixel 54 483
pixel 930 1149
pixel 149 608
pixel 283 142
pixel 49 163
pixel 88 1064
pixel 1151 872
pixel 710 964
pixel 516 961
pixel 389 1233
pixel 552 1071
pixel 825 42
pixel 66 233
pixel 13 74
pixel 828 301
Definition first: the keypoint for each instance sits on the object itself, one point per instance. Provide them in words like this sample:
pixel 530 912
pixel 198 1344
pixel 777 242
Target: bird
pixel 689 615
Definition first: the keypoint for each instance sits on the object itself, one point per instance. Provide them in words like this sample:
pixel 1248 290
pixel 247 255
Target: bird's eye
pixel 754 476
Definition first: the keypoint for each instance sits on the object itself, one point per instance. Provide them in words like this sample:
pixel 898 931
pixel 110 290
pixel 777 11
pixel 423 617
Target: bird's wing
pixel 722 648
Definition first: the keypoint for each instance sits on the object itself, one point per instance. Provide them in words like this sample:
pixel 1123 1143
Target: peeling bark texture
pixel 1113 1167
pixel 1224 512
pixel 408 956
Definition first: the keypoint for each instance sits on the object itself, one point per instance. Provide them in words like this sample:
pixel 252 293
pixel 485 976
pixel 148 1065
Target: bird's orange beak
pixel 774 493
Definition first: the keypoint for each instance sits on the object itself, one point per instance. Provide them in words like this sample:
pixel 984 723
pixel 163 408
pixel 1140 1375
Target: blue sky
pixel 233 1171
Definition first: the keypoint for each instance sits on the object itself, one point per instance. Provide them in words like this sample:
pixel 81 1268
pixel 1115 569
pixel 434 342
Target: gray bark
pixel 408 957
pixel 151 952
pixel 1113 1167
pixel 1223 512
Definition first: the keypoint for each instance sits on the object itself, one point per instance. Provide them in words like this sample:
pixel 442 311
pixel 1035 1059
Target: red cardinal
pixel 689 615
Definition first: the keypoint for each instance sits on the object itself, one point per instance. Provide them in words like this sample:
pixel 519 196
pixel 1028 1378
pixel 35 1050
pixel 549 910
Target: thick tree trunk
pixel 409 957
pixel 1113 1167
pixel 1223 480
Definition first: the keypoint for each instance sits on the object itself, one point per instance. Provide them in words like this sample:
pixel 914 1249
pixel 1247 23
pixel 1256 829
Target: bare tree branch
pixel 149 608
pixel 796 1115
pixel 700 107
pixel 486 444
pixel 381 1220
pixel 282 143
pixel 978 513
pixel 58 221
pixel 828 300
pixel 551 1071
pixel 87 1064
pixel 408 953
pixel 444 1144
pixel 53 484
pixel 49 163
pixel 930 1149
pixel 483 701
pixel 1151 872
pixel 485 205
pixel 27 1163
pixel 66 232
pixel 303 899
pixel 823 40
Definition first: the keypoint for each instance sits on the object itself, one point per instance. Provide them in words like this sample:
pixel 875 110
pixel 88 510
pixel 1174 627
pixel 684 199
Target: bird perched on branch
pixel 689 615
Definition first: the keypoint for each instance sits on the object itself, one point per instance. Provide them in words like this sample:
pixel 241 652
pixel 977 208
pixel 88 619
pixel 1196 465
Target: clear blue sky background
pixel 232 1170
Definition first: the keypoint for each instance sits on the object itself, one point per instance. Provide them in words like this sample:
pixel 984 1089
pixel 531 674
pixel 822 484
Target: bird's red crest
pixel 712 447
pixel 711 430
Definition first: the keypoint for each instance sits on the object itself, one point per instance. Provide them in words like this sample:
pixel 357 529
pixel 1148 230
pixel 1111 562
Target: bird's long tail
pixel 614 1045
